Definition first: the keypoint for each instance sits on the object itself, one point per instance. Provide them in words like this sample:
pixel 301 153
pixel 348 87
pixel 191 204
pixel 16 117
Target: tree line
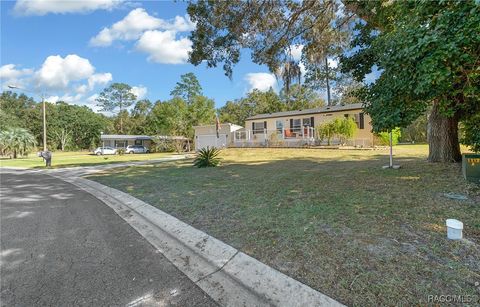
pixel 74 127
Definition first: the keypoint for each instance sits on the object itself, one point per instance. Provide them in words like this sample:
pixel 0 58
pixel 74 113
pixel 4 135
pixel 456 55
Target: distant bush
pixel 416 132
pixel 274 140
pixel 384 137
pixel 470 132
pixel 121 151
pixel 207 157
pixel 344 129
pixel 326 132
pixel 163 145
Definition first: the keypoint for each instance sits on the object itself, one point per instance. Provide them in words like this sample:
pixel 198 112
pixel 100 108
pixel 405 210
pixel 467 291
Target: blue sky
pixel 59 47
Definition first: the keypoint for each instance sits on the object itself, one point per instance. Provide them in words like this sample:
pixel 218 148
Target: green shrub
pixel 384 137
pixel 121 151
pixel 346 128
pixel 343 128
pixel 326 131
pixel 470 132
pixel 162 145
pixel 16 141
pixel 207 157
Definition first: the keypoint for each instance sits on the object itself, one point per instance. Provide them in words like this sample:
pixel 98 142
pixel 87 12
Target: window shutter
pixel 312 121
pixel 362 124
pixel 253 127
pixel 291 122
pixel 265 125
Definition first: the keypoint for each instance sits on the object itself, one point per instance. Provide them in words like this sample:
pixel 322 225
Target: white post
pixel 391 150
pixel 265 135
pixel 234 136
pixel 283 132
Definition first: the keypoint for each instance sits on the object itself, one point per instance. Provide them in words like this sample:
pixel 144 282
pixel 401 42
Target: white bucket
pixel 454 229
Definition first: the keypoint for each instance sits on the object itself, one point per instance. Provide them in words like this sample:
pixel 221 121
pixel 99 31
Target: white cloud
pixel 333 63
pixel 71 79
pixel 296 52
pixel 135 24
pixel 99 79
pixel 261 81
pixel 139 91
pixel 52 99
pixel 10 75
pixel 75 99
pixel 8 72
pixel 43 7
pixel 92 99
pixel 164 48
pixel 58 72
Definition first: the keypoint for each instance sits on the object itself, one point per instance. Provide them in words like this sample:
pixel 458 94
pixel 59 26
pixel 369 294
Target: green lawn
pixel 78 158
pixel 332 219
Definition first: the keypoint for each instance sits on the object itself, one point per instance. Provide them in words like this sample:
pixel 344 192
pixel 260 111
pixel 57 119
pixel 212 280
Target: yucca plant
pixel 207 157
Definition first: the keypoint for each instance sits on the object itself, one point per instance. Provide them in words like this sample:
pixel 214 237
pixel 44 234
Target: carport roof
pixel 124 137
pixel 139 137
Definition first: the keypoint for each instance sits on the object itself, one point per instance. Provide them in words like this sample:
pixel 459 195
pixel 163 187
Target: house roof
pixel 124 137
pixel 233 127
pixel 139 137
pixel 326 109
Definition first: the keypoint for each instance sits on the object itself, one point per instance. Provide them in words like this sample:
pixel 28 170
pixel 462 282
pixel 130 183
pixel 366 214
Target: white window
pixel 279 126
pixel 297 125
pixel 258 127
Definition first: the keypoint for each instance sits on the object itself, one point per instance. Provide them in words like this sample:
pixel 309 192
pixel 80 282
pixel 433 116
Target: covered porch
pixel 282 137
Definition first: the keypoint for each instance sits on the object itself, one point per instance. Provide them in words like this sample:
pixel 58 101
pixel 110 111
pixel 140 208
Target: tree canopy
pixel 116 96
pixel 187 88
pixel 428 55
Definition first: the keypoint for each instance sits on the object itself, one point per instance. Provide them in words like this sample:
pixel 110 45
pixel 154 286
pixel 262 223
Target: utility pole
pixel 44 124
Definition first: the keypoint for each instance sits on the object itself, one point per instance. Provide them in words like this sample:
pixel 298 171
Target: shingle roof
pixel 326 109
pixel 139 137
pixel 124 137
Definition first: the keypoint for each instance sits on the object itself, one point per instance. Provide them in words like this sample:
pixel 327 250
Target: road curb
pixel 229 276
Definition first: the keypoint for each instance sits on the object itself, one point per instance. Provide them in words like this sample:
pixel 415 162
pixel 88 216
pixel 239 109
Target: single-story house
pixel 297 128
pixel 207 135
pixel 286 129
pixel 124 140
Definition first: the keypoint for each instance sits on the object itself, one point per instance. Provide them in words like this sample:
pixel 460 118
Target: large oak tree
pixel 428 54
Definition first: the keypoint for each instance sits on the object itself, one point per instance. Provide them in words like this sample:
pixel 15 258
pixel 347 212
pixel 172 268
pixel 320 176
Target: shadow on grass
pixel 359 233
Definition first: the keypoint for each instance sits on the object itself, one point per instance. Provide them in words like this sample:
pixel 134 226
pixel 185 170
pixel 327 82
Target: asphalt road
pixel 60 246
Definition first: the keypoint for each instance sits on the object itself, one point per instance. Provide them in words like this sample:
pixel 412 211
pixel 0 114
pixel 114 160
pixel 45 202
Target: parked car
pixel 105 151
pixel 131 149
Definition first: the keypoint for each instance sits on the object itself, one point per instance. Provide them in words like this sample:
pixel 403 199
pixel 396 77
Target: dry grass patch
pixel 330 218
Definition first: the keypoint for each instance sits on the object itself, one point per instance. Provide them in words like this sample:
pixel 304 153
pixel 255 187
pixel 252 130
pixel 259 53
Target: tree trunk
pixel 443 137
pixel 121 124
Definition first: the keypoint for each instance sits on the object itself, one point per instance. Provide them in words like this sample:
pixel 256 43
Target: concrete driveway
pixel 60 246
